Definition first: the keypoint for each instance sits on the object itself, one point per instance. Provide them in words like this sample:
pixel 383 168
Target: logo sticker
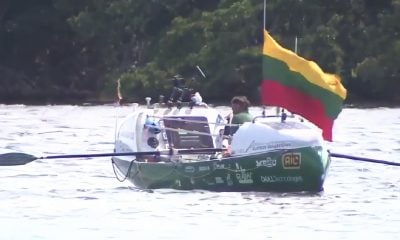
pixel 219 166
pixel 291 160
pixel 244 177
pixel 189 169
pixel 204 168
pixel 219 180
pixel 269 162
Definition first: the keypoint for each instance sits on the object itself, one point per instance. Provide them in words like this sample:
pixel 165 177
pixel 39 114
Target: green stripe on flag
pixel 274 69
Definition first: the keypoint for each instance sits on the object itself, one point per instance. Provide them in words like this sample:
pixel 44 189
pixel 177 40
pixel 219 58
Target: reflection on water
pixel 81 199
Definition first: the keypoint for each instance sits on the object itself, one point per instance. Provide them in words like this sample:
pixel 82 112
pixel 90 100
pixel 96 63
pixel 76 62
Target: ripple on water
pixel 81 199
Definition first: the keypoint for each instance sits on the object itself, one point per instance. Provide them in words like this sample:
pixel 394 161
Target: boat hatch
pixel 185 135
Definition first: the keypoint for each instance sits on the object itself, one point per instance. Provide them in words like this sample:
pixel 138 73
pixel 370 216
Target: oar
pixel 14 159
pixel 364 159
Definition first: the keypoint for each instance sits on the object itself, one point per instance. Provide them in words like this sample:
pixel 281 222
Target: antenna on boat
pixel 116 104
pixel 148 99
pixel 201 71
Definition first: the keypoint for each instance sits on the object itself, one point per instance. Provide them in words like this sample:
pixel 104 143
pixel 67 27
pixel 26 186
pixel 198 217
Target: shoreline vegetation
pixel 82 51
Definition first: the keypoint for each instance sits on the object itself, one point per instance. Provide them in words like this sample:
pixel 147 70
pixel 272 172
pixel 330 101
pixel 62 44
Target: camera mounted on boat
pixel 180 92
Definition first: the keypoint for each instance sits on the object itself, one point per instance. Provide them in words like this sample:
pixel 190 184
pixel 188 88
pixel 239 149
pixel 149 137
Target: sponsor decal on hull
pixel 291 160
pixel 229 180
pixel 280 179
pixel 269 162
pixel 244 177
pixel 219 166
pixel 204 168
pixel 189 169
pixel 257 147
pixel 219 180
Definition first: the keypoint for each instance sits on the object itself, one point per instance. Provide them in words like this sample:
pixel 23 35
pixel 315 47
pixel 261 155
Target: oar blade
pixel 14 159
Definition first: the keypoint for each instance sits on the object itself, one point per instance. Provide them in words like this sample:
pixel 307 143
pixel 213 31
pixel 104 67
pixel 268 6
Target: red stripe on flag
pixel 275 94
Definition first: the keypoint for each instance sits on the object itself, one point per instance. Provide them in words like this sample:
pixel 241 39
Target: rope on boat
pixel 213 170
pixel 116 172
pixel 181 174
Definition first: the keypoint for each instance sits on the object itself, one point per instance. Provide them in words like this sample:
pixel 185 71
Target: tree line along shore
pixel 75 51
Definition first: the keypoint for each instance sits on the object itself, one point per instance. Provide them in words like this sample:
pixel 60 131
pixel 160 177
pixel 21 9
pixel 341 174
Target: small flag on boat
pixel 300 86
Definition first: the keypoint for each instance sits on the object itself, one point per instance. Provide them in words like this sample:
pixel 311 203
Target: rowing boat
pixel 272 153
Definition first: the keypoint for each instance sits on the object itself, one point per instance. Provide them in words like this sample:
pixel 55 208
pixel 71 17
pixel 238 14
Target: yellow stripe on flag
pixel 309 69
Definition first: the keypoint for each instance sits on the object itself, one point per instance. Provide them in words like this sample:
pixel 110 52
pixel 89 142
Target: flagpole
pixel 264 14
pixel 295 51
pixel 264 28
pixel 278 109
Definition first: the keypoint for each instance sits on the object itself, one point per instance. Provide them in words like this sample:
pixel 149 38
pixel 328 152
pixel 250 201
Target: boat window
pixel 191 132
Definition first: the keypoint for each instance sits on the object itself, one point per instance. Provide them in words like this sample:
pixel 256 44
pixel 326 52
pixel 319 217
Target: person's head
pixel 240 104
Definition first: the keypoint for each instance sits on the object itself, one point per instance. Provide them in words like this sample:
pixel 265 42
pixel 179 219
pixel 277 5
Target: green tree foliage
pixel 37 50
pixel 224 42
pixel 58 50
pixel 377 76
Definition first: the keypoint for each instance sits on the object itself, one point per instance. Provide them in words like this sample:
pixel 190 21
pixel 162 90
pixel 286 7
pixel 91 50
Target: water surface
pixel 81 198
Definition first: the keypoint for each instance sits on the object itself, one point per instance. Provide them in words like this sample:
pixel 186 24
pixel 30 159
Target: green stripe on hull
pixel 279 171
pixel 279 71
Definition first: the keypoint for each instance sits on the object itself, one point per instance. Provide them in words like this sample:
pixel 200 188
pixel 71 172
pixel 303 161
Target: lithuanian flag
pixel 300 86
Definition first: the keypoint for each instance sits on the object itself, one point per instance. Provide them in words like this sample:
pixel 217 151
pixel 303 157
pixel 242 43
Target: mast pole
pixel 264 14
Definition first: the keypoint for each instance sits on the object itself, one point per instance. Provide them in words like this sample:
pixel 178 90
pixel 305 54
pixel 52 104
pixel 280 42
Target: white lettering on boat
pixel 269 162
pixel 204 168
pixel 277 179
pixel 229 181
pixel 291 160
pixel 219 180
pixel 178 183
pixel 219 166
pixel 189 169
pixel 244 177
pixel 238 167
pixel 254 146
pixel 287 125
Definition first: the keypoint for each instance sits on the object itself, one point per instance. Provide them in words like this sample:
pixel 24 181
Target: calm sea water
pixel 81 199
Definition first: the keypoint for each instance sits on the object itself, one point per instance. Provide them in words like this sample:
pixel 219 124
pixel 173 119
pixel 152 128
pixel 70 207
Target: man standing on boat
pixel 240 109
pixel 239 115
